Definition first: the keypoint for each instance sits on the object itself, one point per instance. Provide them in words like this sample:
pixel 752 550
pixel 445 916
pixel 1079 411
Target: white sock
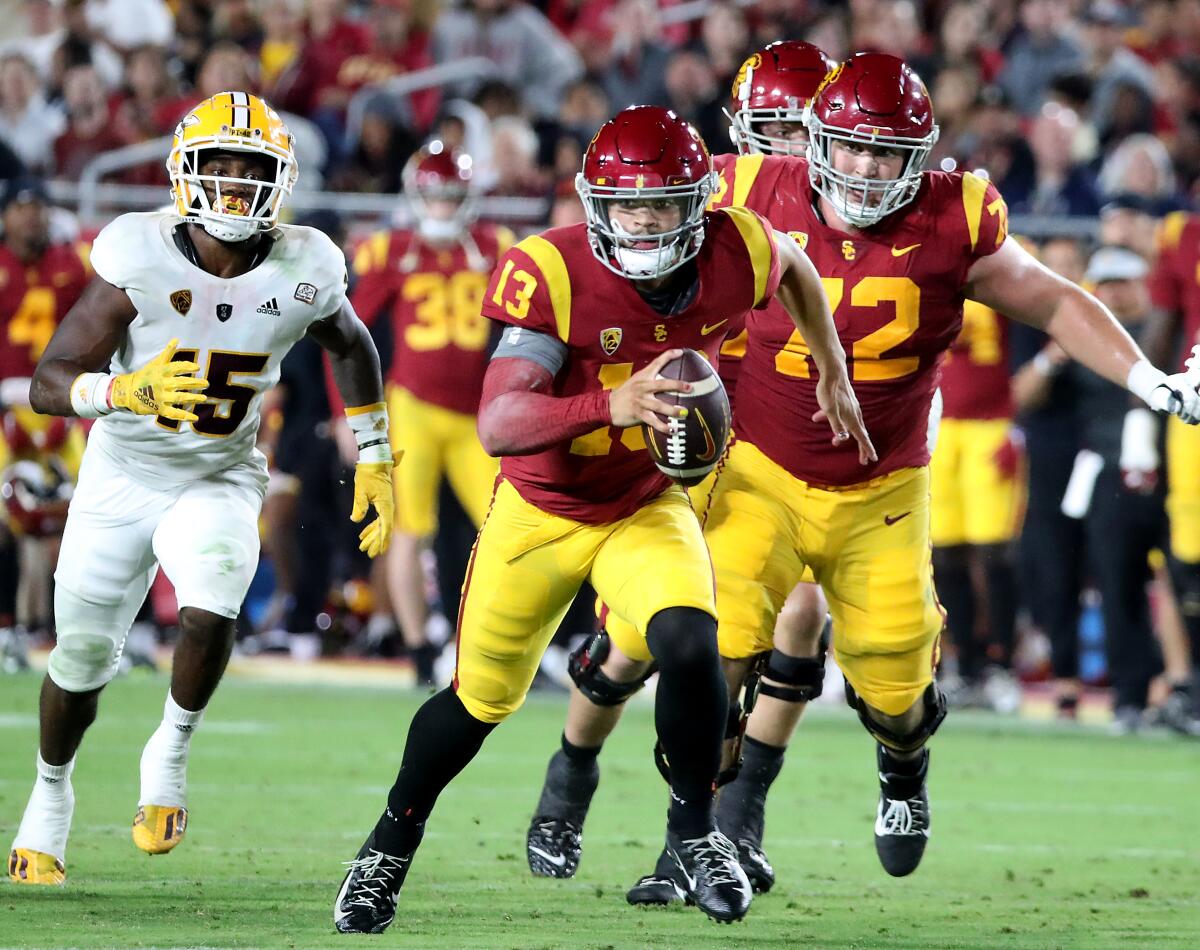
pixel 47 819
pixel 164 759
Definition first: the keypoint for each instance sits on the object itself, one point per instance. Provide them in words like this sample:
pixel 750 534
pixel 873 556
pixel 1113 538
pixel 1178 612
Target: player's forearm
pixel 50 390
pixel 355 369
pixel 1091 335
pixel 804 299
pixel 522 423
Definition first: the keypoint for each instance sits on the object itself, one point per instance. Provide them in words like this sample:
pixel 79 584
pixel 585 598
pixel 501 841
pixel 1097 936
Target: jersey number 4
pixel 229 400
pixel 33 322
pixel 868 363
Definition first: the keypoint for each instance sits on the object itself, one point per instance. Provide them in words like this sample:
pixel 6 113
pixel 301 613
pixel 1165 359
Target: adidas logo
pixel 270 308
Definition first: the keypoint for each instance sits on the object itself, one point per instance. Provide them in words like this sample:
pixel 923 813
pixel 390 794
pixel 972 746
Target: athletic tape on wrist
pixel 89 395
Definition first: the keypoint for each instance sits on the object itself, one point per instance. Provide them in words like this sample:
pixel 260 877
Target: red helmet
pixel 775 85
pixel 645 152
pixel 436 173
pixel 36 498
pixel 872 99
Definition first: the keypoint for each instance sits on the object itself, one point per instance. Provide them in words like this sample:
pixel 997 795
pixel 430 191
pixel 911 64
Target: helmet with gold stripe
pixel 231 207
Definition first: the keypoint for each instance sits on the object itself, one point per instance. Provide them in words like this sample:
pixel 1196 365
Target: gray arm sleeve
pixel 541 348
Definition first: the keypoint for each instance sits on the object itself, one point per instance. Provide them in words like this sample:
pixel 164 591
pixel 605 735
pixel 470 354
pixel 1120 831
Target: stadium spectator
pixel 1142 166
pixel 1044 48
pixel 526 50
pixel 637 61
pixel 383 146
pixel 1126 519
pixel 886 27
pixel 127 24
pixel 695 94
pixel 1048 413
pixel 965 43
pixel 1111 65
pixel 238 21
pixel 28 124
pixel 90 129
pixel 724 41
pixel 1128 220
pixel 1062 184
pixel 514 159
pixel 282 40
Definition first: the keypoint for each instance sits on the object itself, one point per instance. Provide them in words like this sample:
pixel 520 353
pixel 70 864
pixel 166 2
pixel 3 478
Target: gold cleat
pixel 35 867
pixel 158 828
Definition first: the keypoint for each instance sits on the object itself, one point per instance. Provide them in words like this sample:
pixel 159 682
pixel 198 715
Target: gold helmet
pixel 230 122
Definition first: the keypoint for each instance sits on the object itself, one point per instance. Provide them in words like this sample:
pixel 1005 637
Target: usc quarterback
pixel 170 475
pixel 430 279
pixel 769 96
pixel 591 313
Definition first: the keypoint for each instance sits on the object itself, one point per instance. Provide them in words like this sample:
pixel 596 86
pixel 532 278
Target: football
pixel 695 443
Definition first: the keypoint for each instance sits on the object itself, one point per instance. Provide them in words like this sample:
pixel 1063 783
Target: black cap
pixel 24 188
pixel 1129 201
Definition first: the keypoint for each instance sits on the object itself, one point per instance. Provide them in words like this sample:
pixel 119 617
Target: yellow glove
pixel 160 388
pixel 373 487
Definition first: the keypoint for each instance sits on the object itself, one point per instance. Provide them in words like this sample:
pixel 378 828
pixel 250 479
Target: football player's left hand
pixel 373 488
pixel 839 407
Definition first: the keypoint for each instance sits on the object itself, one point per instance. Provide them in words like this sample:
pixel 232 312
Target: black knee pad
pixel 583 666
pixel 935 712
pixel 797 679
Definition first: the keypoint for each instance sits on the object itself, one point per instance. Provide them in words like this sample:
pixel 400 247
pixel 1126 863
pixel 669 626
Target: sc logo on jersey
pixel 224 311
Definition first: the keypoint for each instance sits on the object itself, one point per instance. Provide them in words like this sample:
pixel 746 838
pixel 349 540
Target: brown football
pixel 695 443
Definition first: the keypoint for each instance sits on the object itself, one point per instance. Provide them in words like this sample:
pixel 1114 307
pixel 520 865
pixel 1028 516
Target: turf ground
pixel 1043 837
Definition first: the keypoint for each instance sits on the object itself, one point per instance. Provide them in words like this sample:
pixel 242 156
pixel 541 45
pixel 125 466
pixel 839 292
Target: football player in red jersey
pixel 430 280
pixel 898 249
pixel 1173 291
pixel 769 95
pixel 39 282
pixel 591 313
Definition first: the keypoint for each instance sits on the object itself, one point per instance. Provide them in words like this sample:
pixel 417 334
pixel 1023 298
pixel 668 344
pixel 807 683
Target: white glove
pixel 1172 394
pixel 1139 451
pixel 935 420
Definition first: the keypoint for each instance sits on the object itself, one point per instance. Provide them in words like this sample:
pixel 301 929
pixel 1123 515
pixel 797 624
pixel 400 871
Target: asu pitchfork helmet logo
pixel 235 122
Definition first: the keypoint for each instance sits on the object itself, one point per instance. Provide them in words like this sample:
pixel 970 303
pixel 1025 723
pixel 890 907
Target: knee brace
pixel 584 664
pixel 794 679
pixel 934 712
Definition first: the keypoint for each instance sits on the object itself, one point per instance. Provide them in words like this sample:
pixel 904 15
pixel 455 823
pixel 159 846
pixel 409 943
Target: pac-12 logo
pixel 610 339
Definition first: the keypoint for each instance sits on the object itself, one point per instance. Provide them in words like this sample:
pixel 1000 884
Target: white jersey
pixel 238 329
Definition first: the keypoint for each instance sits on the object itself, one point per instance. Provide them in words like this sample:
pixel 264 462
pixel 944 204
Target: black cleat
pixel 711 875
pixel 754 862
pixel 902 819
pixel 662 887
pixel 366 904
pixel 553 847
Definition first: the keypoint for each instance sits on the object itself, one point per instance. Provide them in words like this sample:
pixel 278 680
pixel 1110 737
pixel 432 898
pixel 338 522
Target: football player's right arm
pixel 69 379
pixel 1012 281
pixel 518 415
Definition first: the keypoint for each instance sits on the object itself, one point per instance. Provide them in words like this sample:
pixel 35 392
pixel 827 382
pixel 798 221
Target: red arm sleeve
pixel 517 416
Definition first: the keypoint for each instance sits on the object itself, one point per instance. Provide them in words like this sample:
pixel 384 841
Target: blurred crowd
pixel 1063 102
pixel 1076 109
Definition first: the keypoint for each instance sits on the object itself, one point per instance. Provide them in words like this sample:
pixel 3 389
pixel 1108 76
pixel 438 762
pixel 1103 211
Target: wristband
pixel 370 427
pixel 89 395
pixel 1044 365
pixel 1143 379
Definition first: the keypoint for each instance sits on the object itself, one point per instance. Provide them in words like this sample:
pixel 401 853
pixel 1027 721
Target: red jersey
pixel 433 295
pixel 33 299
pixel 552 283
pixel 976 383
pixel 1175 280
pixel 896 293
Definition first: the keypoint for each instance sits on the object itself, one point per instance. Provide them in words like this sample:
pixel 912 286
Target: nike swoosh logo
pixel 889 520
pixel 901 251
pixel 706 330
pixel 558 860
pixel 691 881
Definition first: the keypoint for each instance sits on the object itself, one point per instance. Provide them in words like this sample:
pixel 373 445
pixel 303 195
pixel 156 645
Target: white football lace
pixel 715 854
pixel 904 816
pixel 558 828
pixel 377 871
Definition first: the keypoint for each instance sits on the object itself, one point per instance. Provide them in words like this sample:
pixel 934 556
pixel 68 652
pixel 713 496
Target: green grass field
pixel 1042 837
